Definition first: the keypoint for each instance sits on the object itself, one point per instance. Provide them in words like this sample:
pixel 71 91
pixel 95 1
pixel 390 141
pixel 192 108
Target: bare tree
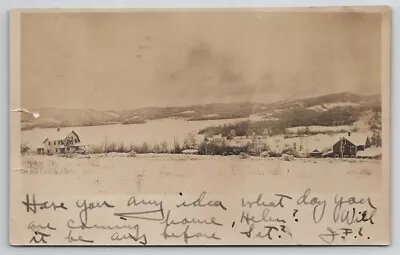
pixel 156 148
pixel 164 147
pixel 192 140
pixel 177 147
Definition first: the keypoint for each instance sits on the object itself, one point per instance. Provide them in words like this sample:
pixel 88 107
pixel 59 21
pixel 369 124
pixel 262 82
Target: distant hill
pixel 332 109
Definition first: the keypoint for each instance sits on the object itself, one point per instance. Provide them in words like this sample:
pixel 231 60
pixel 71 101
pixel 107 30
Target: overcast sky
pixel 112 61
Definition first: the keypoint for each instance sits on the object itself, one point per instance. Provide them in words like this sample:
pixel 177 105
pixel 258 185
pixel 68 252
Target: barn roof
pixel 55 135
pixel 354 138
pixel 370 152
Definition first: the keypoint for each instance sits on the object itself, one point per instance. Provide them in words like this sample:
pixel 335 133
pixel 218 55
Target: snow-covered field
pixel 119 174
pixel 152 132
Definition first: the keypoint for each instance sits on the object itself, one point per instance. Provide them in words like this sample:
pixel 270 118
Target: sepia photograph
pixel 200 127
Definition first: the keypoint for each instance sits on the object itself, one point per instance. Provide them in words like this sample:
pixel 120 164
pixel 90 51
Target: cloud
pixel 210 75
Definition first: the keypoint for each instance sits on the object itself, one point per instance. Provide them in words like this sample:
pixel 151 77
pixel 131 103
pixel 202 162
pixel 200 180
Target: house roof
pixel 354 138
pixel 316 151
pixel 370 152
pixel 55 135
pixel 327 153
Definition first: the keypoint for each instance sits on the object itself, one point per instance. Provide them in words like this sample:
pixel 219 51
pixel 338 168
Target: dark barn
pixel 349 145
pixel 316 154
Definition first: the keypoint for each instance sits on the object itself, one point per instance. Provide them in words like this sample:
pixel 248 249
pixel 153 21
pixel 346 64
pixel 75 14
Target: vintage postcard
pixel 200 126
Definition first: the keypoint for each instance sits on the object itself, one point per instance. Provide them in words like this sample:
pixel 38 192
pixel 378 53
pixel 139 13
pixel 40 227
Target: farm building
pixel 217 139
pixel 60 144
pixel 350 144
pixel 371 153
pixel 316 153
pixel 328 154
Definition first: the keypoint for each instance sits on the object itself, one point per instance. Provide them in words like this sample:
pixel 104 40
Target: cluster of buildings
pixel 350 146
pixel 60 143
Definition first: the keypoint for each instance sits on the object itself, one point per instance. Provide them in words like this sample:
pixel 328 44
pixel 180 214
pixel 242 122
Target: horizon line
pixel 216 103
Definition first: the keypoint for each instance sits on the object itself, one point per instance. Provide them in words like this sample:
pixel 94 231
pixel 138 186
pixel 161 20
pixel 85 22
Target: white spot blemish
pixel 36 115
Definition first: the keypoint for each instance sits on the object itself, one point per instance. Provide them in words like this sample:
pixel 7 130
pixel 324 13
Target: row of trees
pixel 189 142
pixel 142 148
pixel 222 148
pixel 286 119
pixel 206 147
